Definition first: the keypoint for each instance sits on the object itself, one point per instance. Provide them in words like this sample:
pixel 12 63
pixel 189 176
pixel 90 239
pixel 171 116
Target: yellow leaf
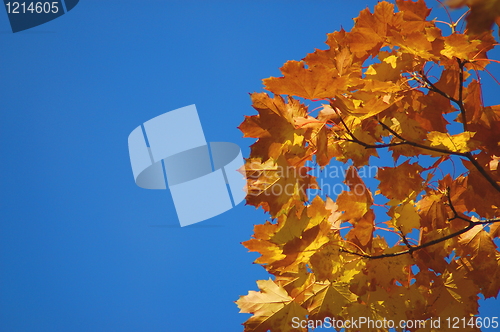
pixel 391 68
pixel 327 262
pixel 290 226
pixel 477 243
pixel 385 271
pixel 272 308
pixel 270 252
pixel 329 300
pixel 406 217
pixel 274 126
pixel 459 46
pixel 335 216
pixel 456 143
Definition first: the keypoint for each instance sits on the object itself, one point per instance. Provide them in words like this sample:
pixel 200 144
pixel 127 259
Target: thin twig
pixel 412 249
pixel 458 101
pixel 404 141
pixel 460 93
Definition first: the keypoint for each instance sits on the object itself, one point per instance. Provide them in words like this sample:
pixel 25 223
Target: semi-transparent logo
pixel 203 178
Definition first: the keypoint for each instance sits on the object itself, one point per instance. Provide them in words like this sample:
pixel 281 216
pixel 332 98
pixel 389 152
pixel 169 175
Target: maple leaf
pixel 491 283
pixel 401 181
pixel 488 129
pixel 479 258
pixel 275 185
pixel 408 126
pixel 495 230
pixel 270 252
pixel 272 308
pixel 298 284
pixel 392 66
pixel 313 83
pixel 459 46
pixel 326 263
pixel 297 235
pixel 357 202
pixel 322 142
pixel 434 257
pixel 275 127
pixel 477 243
pixel 335 217
pixel 448 83
pixel 413 11
pixel 472 101
pixel 300 249
pixel 364 106
pixel 405 217
pixel 386 271
pixel 329 300
pixel 432 211
pixel 456 143
pixel 337 56
pixel 454 294
pixel 430 110
pixel 482 15
pixel 477 186
pixel 398 304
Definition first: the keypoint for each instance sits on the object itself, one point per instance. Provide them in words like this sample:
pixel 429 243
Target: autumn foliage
pixel 402 93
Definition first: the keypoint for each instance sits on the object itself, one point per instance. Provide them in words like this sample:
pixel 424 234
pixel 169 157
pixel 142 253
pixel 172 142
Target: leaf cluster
pixel 394 84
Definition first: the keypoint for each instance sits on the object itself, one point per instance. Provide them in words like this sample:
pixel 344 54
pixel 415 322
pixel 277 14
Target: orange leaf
pixel 401 181
pixel 356 202
pixel 317 82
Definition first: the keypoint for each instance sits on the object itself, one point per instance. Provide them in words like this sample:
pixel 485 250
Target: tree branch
pixel 404 141
pixel 432 87
pixel 481 170
pixel 412 249
pixel 421 146
pixel 458 101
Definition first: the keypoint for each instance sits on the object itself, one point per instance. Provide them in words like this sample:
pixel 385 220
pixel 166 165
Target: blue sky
pixel 82 248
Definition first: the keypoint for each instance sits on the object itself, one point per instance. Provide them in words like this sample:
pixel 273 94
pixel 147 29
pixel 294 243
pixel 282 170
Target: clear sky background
pixel 82 248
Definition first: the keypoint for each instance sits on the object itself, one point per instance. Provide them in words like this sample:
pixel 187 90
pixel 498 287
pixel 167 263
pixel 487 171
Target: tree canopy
pixel 398 92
